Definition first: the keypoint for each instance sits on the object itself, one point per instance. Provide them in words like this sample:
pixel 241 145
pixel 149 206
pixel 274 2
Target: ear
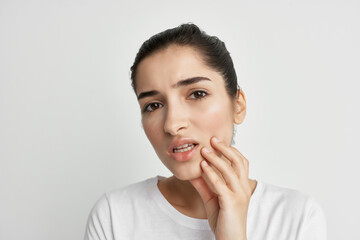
pixel 239 107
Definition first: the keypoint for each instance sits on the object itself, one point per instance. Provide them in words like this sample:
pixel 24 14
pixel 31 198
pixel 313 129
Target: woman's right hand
pixel 226 199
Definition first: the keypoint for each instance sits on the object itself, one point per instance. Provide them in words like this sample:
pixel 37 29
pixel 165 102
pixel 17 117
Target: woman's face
pixel 184 103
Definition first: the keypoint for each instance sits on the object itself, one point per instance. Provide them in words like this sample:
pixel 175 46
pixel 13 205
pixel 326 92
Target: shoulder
pixel 129 193
pixel 269 194
pixel 100 217
pixel 291 205
pixel 133 191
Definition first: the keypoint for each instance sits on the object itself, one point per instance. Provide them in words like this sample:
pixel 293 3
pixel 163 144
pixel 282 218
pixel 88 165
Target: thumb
pixel 203 189
pixel 209 199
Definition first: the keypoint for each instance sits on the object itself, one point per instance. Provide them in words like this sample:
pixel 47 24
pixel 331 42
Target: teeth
pixel 184 148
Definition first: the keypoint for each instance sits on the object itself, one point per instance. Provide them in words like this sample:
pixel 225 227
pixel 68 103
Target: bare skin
pixel 183 99
pixel 185 198
pixel 222 190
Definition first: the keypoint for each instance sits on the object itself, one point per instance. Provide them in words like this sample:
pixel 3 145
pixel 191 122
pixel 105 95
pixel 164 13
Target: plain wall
pixel 70 126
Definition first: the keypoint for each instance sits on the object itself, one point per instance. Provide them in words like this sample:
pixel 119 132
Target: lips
pixel 182 149
pixel 179 143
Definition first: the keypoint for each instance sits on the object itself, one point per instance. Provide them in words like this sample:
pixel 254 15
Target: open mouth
pixel 184 148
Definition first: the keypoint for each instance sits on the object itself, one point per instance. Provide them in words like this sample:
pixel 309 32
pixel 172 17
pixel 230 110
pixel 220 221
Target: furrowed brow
pixel 147 94
pixel 189 81
pixel 181 83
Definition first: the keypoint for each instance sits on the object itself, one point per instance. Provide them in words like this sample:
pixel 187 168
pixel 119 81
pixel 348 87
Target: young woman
pixel 187 90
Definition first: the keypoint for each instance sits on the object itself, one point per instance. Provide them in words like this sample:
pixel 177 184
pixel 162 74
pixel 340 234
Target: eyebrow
pixel 181 83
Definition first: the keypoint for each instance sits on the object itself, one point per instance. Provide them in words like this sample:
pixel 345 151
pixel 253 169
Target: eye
pixel 152 107
pixel 198 94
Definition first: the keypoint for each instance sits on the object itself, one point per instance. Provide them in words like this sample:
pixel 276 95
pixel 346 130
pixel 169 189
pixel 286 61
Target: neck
pixel 185 198
pixel 182 196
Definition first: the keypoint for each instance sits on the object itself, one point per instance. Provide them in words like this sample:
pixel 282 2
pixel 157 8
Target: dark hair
pixel 212 48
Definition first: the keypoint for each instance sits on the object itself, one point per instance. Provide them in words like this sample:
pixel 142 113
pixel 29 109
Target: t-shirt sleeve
pixel 99 225
pixel 315 223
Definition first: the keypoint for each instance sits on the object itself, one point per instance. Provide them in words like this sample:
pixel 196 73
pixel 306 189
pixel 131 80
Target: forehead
pixel 168 66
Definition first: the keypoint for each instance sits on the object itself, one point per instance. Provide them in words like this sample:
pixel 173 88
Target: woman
pixel 187 90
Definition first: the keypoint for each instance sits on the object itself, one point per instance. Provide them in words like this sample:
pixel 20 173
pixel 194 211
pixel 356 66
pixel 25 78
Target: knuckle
pixel 233 148
pixel 246 162
pixel 217 181
pixel 220 144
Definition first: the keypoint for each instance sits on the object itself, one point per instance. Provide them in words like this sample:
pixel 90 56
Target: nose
pixel 175 119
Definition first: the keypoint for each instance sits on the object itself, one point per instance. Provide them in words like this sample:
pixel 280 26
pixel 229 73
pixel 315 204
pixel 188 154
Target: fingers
pixel 238 162
pixel 200 185
pixel 222 177
pixel 213 180
pixel 208 197
pixel 224 168
pixel 246 165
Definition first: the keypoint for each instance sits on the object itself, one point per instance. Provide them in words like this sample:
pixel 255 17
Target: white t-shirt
pixel 140 211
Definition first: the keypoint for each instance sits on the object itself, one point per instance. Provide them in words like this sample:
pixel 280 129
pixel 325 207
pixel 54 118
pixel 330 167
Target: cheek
pixel 154 130
pixel 151 129
pixel 215 119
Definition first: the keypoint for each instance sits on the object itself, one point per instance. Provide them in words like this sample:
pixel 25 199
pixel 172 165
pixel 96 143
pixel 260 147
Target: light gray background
pixel 70 125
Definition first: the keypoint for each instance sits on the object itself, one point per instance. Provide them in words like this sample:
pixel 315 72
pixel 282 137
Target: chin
pixel 186 174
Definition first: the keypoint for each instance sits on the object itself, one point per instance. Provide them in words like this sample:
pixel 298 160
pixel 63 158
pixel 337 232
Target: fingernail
pixel 216 139
pixel 206 150
pixel 204 163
